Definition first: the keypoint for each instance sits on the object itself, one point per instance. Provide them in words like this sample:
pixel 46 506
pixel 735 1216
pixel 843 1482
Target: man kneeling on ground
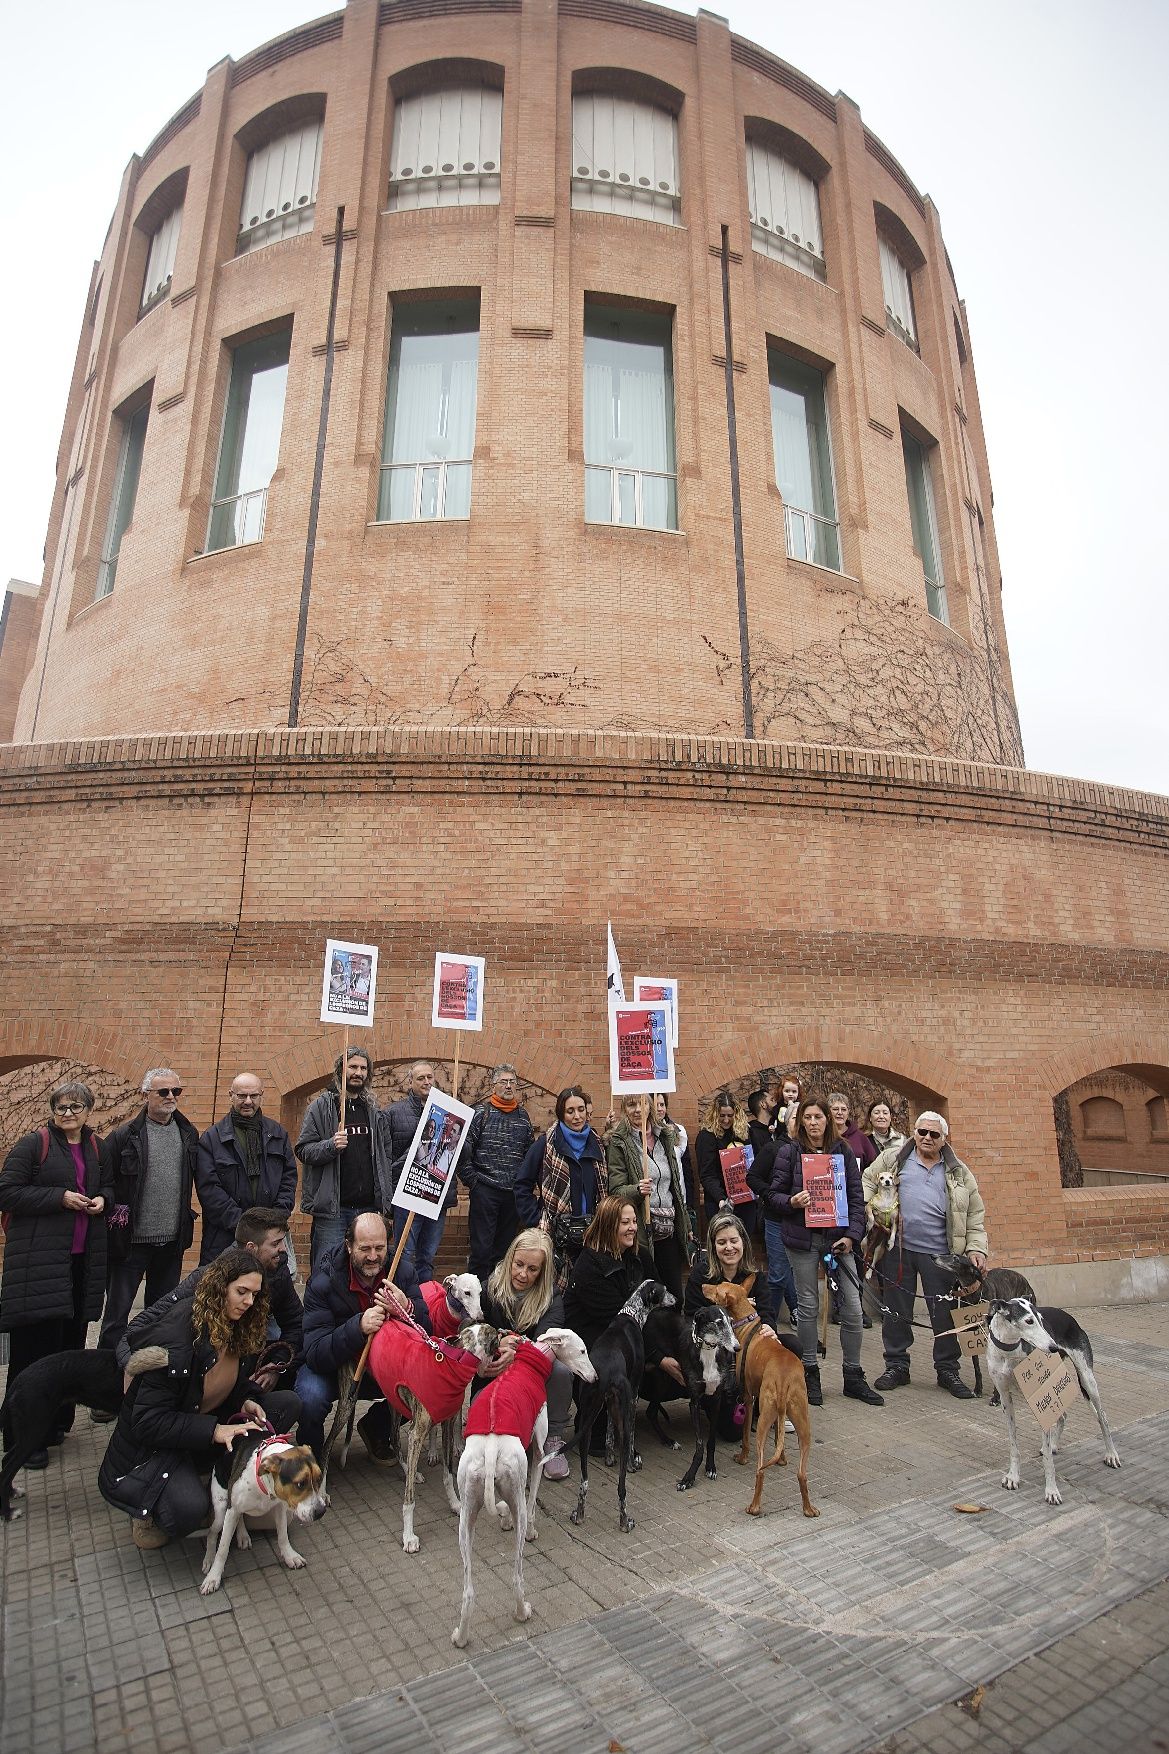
pixel 345 1303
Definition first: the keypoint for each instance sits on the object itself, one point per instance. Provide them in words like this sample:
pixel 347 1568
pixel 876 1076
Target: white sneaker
pixel 788 1426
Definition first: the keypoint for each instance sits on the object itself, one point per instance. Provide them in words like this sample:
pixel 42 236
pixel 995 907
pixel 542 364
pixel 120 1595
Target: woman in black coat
pixel 54 1280
pixel 174 1415
pixel 607 1270
pixel 725 1126
pixel 727 1255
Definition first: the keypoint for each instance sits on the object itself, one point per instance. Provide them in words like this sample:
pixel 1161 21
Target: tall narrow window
pixel 803 460
pixel 923 518
pixel 160 264
pixel 429 438
pixel 250 446
pixel 280 188
pixel 625 157
pixel 125 493
pixel 784 205
pixel 898 293
pixel 445 151
pixel 630 466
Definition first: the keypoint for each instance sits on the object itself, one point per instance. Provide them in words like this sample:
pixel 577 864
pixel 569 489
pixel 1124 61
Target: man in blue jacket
pixel 345 1304
pixel 244 1160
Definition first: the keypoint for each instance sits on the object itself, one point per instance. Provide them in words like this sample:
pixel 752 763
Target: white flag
pixel 616 988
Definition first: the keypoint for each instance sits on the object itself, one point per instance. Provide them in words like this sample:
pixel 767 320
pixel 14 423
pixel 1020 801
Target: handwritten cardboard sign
pixel 970 1321
pixel 641 1052
pixel 349 983
pixel 458 991
pixel 1049 1386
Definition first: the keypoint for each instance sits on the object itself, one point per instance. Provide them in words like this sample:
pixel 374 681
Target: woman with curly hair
pixel 725 1125
pixel 189 1391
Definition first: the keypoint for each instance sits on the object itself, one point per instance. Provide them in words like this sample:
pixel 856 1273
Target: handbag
pixel 569 1233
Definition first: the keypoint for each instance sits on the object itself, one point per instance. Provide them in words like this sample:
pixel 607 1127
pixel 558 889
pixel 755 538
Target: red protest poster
pixel 820 1183
pixel 735 1164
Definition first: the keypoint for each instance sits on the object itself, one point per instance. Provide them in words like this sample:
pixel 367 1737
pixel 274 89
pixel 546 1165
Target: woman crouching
pixel 191 1391
pixel 521 1298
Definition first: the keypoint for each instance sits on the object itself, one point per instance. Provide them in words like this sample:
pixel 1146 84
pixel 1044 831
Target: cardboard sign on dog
pixel 1049 1386
pixel 970 1321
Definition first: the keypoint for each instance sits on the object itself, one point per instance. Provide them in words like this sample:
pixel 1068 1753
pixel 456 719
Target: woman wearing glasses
pixel 54 1200
pixel 941 1211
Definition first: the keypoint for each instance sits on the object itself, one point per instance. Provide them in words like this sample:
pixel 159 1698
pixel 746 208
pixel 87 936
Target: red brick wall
pixel 1129 1136
pixel 1105 1224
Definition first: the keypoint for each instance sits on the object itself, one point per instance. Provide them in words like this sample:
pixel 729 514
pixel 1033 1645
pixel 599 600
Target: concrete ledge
pixel 1077 1284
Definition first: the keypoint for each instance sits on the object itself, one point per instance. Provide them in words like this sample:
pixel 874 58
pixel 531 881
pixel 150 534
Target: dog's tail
pixel 490 1455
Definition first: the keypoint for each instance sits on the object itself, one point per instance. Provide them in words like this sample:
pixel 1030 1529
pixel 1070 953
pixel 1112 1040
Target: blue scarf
pixel 575 1142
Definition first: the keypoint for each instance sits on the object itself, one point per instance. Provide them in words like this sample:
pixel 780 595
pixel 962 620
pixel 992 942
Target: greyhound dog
pixel 705 1349
pixel 618 1357
pixel 990 1284
pixel 1016 1328
pixel 772 1381
pixel 268 1480
pixel 507 1419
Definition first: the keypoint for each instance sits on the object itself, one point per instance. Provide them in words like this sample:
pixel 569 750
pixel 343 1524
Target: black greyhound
pixel 984 1285
pixel 704 1348
pixel 618 1357
pixel 34 1401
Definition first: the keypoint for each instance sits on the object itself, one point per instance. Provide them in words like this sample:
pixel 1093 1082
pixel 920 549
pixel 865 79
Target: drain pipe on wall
pixel 736 501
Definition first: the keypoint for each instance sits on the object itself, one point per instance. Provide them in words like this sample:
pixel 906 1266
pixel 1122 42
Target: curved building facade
pixel 523 468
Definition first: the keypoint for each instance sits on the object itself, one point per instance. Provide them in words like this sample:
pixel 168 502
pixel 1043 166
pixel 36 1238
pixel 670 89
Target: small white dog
pixel 267 1480
pixel 508 1419
pixel 883 1210
pixel 1015 1328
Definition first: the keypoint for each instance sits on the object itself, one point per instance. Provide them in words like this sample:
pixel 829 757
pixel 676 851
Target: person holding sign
pixel 642 1161
pixel 345 1154
pixel 821 1209
pixel 562 1180
pixel 724 1127
pixel 941 1212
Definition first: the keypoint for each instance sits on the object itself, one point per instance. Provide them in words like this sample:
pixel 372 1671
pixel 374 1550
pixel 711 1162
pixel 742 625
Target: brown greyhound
pixel 771 1379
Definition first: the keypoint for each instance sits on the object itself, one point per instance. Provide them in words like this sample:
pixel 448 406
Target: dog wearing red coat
pixel 507 1419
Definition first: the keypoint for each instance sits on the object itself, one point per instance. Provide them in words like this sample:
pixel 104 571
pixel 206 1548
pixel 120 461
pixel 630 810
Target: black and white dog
pixel 984 1284
pixel 1016 1327
pixel 618 1357
pixel 704 1348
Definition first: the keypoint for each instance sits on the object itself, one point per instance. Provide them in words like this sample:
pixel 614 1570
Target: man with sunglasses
pixel 151 1162
pixel 941 1211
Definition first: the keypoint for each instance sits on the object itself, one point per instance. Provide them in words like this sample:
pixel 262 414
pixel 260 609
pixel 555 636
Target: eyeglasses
pixel 247 1096
pixel 927 1133
pixel 72 1108
pixel 168 1090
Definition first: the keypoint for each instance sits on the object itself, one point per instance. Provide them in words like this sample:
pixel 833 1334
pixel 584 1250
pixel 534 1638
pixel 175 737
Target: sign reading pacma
pixel 458 991
pixel 641 1052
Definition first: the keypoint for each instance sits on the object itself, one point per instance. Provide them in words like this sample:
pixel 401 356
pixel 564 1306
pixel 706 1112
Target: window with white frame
pixel 280 188
pixel 895 283
pixel 250 446
pixel 803 460
pixel 924 521
pixel 160 262
pixel 429 437
pixel 445 150
pixel 130 448
pixel 784 204
pixel 625 157
pixel 631 472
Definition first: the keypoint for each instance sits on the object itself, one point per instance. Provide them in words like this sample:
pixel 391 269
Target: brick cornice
pixel 544 762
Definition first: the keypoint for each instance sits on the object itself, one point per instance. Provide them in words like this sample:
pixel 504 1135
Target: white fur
pixel 247 1500
pixel 482 1340
pixel 1018 1321
pixel 494 1474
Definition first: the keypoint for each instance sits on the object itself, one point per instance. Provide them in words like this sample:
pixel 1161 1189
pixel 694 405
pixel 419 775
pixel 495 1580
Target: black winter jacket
pixel 497 1143
pixel 788 1179
pixel 764 1144
pixel 123 1164
pixel 332 1313
pixel 221 1180
pixel 321 1187
pixel 494 1312
pixel 714 1189
pixel 37 1285
pixel 694 1300
pixel 162 1323
pixel 598 1286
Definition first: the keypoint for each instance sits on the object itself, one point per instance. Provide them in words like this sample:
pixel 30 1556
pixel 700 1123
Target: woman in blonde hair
pixel 192 1390
pixel 725 1125
pixel 521 1298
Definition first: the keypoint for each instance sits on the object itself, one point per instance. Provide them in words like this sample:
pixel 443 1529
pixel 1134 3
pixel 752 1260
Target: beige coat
pixel 965 1212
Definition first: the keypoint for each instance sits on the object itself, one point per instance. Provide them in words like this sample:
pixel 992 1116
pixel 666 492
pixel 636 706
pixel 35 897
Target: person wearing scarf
pixel 563 1179
pixel 244 1160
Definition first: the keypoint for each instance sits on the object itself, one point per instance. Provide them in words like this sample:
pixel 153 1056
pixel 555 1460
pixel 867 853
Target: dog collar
pixel 1013 1347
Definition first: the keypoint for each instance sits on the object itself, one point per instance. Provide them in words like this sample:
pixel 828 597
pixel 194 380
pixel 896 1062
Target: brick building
pixel 562 416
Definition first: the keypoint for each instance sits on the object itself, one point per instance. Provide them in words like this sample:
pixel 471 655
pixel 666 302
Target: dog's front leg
pixel 1011 1477
pixel 691 1474
pixel 214 1577
pixel 288 1554
pixel 219 1502
pixel 419 1431
pixel 1051 1491
pixel 748 1416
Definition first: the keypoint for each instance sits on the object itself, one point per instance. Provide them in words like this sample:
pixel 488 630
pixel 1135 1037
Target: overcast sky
pixel 1039 127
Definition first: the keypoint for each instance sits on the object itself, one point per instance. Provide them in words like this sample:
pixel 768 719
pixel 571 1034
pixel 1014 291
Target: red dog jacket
pixel 442 1323
pixel 510 1406
pixel 402 1357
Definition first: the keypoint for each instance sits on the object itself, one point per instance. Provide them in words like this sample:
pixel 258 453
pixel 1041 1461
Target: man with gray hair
pixel 150 1161
pixel 497 1143
pixel 941 1211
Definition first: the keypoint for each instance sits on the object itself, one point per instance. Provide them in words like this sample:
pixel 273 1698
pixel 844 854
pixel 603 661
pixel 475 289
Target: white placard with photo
pixel 433 1155
pixel 457 1002
pixel 349 983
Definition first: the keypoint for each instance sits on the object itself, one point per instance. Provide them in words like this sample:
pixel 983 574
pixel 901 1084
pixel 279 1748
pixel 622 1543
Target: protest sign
pixel 653 989
pixel 735 1161
pixel 433 1155
pixel 641 1053
pixel 349 983
pixel 458 992
pixel 824 1180
pixel 1049 1385
pixel 970 1321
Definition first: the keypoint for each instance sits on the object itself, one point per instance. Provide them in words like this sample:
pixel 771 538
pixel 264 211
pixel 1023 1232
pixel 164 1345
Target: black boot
pixel 953 1384
pixel 857 1389
pixel 896 1376
pixel 812 1379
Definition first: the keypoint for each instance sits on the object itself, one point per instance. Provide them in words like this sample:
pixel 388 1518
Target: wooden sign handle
pixel 364 1359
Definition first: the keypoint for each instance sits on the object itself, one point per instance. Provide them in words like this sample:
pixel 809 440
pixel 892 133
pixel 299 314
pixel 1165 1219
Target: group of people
pixel 564 1222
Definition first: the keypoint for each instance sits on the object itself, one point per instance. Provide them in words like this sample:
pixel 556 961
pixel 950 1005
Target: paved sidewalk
pixel 703 1628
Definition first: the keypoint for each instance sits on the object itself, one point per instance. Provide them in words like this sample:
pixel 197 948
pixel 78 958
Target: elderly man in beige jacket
pixel 941 1211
